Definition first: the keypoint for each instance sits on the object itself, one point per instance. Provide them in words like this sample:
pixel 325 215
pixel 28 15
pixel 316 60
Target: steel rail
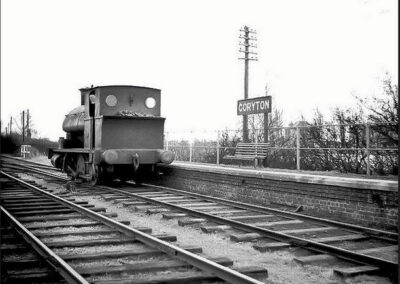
pixel 59 265
pixel 282 237
pixel 261 209
pixel 197 261
pixel 15 162
pixel 29 162
pixel 42 172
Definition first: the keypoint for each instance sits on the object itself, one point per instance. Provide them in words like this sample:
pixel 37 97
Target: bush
pixel 11 144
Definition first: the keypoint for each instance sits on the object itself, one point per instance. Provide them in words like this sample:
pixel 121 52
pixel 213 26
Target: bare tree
pixel 383 111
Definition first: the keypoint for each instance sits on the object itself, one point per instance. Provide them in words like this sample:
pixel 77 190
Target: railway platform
pixel 359 200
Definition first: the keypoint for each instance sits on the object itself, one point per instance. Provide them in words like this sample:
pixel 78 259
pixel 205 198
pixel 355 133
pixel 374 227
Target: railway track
pixel 28 163
pixel 97 249
pixel 367 250
pixel 25 259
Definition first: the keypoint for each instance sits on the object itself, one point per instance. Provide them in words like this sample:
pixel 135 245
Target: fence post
pixel 367 148
pixel 256 131
pixel 190 151
pixel 298 148
pixel 218 147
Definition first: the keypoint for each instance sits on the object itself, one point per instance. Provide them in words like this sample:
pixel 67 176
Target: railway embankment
pixel 367 202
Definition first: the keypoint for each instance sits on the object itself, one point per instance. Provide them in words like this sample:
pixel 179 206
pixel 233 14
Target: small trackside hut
pixel 116 132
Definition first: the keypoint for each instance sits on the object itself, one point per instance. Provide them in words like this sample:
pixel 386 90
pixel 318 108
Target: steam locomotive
pixel 116 132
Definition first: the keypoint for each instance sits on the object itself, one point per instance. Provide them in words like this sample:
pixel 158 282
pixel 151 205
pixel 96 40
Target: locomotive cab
pixel 115 132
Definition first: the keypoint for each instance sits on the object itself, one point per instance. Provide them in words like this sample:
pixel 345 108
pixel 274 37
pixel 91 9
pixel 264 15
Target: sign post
pixel 26 151
pixel 265 127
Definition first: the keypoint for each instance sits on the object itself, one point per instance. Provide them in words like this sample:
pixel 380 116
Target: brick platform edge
pixel 363 202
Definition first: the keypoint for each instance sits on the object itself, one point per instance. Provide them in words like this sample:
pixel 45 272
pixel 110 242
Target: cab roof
pixel 116 86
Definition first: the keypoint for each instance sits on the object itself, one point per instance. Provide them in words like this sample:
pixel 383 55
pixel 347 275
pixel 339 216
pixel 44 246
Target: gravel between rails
pixel 79 238
pixel 119 261
pixel 60 222
pixel 96 249
pixel 69 229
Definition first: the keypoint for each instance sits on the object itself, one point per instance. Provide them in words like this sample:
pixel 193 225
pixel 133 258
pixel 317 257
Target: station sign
pixel 254 105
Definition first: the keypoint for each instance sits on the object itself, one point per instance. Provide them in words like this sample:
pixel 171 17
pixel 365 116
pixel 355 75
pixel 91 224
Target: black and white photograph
pixel 173 141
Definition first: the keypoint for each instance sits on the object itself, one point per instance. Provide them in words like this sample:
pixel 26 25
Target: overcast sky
pixel 312 54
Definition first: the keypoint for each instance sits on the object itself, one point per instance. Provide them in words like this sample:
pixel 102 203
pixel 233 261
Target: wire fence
pixel 357 148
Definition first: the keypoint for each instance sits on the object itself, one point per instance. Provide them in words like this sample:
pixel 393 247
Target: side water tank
pixel 74 120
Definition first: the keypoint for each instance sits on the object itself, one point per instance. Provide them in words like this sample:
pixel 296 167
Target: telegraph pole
pixel 247 35
pixel 28 130
pixel 23 126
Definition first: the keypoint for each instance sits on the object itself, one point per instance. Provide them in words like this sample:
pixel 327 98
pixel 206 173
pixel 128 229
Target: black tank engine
pixel 116 132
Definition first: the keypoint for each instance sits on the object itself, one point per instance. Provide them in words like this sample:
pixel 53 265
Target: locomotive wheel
pixel 80 166
pixel 95 175
pixel 69 166
pixel 137 179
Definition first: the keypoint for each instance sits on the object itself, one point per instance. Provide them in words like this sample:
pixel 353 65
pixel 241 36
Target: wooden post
pixel 248 47
pixel 298 147
pixel 28 129
pixel 23 126
pixel 218 134
pixel 256 142
pixel 246 82
pixel 266 128
pixel 191 146
pixel 367 148
pixel 190 151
